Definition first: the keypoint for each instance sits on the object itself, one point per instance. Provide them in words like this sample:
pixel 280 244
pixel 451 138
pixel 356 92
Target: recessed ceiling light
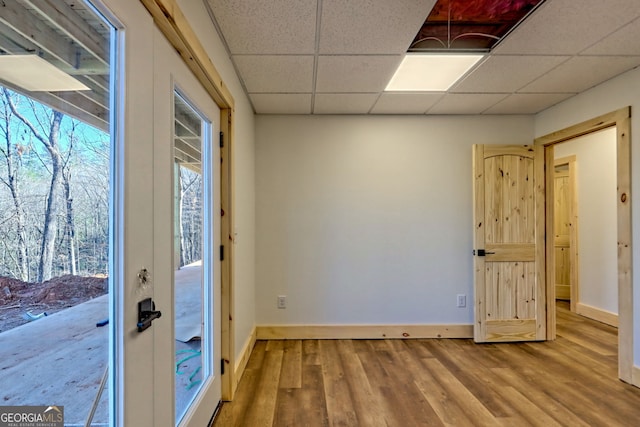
pixel 35 74
pixel 427 72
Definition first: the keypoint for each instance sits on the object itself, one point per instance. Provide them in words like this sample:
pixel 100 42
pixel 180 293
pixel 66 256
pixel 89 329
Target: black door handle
pixel 482 252
pixel 146 313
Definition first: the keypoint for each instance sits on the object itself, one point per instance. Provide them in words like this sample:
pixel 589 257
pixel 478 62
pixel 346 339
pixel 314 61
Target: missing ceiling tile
pixel 470 24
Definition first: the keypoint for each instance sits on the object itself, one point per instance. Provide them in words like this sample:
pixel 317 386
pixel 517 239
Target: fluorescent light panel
pixel 426 72
pixel 35 74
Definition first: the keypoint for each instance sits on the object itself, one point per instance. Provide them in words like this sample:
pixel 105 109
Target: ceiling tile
pixel 355 73
pixel 566 27
pixel 276 73
pixel 550 57
pixel 625 41
pixel 405 103
pixel 344 103
pixel 281 103
pixel 581 73
pixel 371 26
pixel 527 103
pixel 507 73
pixel 267 27
pixel 466 103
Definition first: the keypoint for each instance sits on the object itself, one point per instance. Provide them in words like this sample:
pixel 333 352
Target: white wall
pixel 244 167
pixel 597 211
pixel 368 220
pixel 609 96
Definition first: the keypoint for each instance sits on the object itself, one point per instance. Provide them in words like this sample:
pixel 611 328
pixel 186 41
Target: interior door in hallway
pixel 562 224
pixel 509 274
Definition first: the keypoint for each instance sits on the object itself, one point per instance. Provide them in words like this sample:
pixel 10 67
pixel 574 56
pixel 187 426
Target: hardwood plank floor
pixel 571 381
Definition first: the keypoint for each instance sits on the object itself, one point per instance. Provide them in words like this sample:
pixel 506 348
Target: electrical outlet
pixel 461 300
pixel 282 301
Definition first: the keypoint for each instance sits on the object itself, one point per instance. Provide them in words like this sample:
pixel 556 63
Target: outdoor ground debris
pixel 18 297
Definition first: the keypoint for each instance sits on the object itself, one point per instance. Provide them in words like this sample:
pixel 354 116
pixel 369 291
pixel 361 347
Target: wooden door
pixel 561 231
pixel 510 302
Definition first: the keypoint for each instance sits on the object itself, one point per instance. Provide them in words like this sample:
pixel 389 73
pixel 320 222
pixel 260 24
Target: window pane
pixel 55 166
pixel 191 287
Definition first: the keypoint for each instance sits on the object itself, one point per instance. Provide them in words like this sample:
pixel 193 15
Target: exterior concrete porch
pixel 61 359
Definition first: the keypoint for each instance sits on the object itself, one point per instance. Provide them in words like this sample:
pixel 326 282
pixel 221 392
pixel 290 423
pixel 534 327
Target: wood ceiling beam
pixel 14 42
pixel 96 85
pixel 95 95
pixel 85 66
pixel 67 20
pixel 22 31
pixel 189 150
pixel 90 107
pixel 18 18
pixel 70 103
pixel 188 122
pixel 10 46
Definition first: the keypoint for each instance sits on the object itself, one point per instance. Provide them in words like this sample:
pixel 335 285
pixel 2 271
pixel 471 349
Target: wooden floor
pixel 442 382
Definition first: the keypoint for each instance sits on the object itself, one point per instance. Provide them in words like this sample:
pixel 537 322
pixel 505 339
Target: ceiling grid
pixel 336 57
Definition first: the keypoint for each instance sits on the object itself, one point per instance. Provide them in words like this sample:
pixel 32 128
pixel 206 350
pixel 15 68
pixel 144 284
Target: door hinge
pixel 221 252
pixel 221 139
pixel 221 366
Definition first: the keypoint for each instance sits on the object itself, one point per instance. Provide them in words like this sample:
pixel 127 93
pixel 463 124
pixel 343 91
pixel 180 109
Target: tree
pixel 73 210
pixel 12 154
pixel 69 225
pixel 190 215
pixel 51 142
pixel 91 201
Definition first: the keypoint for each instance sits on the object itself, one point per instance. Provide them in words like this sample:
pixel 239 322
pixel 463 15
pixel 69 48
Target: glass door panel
pixel 187 385
pixel 192 283
pixel 56 201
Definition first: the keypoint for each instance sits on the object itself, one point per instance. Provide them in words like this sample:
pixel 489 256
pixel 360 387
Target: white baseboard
pixel 597 314
pixel 243 358
pixel 278 332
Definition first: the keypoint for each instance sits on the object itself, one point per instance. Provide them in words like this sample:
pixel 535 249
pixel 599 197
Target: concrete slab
pixel 188 334
pixel 188 308
pixel 60 359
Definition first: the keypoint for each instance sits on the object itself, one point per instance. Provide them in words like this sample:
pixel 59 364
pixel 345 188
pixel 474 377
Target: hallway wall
pixel 597 217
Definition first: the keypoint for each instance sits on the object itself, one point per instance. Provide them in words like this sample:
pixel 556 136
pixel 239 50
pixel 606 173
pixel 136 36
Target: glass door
pixel 192 254
pixel 57 161
pixel 187 230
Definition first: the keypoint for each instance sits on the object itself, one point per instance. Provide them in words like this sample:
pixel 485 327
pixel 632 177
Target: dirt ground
pixel 17 297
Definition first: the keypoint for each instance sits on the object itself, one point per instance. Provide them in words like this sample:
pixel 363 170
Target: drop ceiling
pixel 337 56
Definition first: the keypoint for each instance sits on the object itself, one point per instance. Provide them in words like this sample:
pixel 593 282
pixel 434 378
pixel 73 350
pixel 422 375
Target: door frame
pixel 173 24
pixel 621 120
